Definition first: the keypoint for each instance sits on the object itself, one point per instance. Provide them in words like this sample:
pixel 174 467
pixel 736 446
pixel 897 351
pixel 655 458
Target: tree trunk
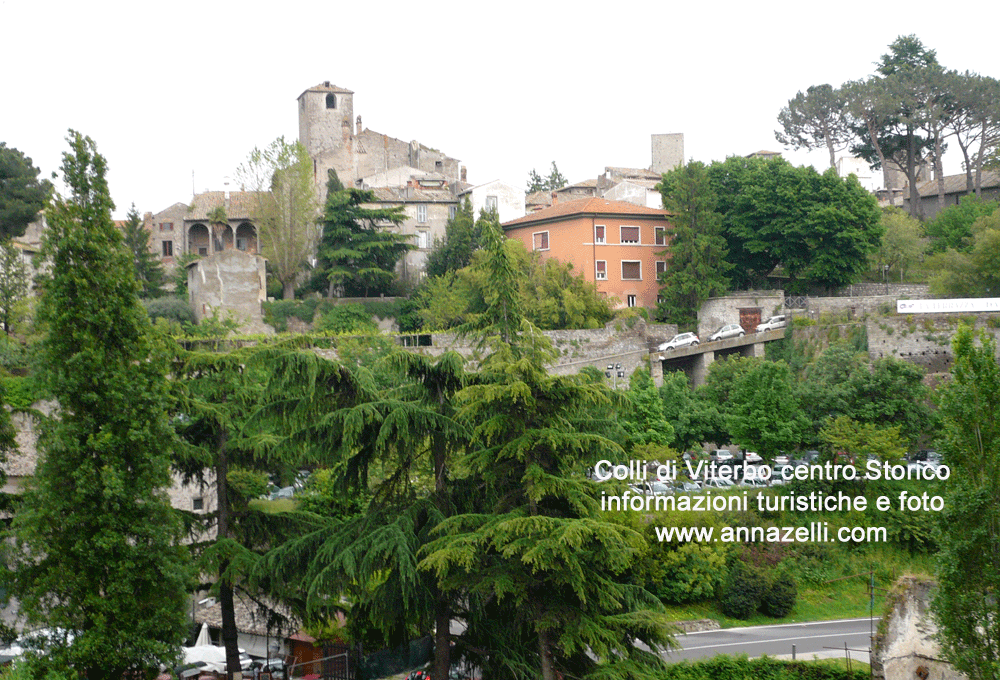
pixel 230 634
pixel 545 655
pixel 288 289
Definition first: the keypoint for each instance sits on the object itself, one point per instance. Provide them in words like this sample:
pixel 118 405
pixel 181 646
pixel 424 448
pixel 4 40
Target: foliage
pixel 743 591
pixel 179 276
pixel 461 239
pixel 693 418
pixel 358 251
pixel 554 180
pixel 901 245
pixel 842 435
pixel 691 572
pixel 13 283
pixel 891 393
pixel 169 308
pixel 697 251
pixel 642 416
pixel 818 227
pixel 972 273
pixel 148 270
pixel 350 318
pixel 952 227
pixel 285 211
pixel 96 539
pixel 763 413
pixel 779 597
pixel 21 392
pixel 968 571
pixel 22 194
pixel 727 666
pixel 813 120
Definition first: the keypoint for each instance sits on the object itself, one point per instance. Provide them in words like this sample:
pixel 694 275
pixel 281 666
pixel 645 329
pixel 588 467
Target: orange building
pixel 618 246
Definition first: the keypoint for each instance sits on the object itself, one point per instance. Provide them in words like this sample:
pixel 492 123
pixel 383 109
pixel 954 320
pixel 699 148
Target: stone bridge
pixel 695 359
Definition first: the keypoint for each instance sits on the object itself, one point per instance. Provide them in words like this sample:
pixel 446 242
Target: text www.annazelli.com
pixel 816 532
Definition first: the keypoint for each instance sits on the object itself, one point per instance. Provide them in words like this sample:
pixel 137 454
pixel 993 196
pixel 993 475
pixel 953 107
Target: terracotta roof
pixel 585 184
pixel 241 205
pixel 586 206
pixel 956 184
pixel 327 86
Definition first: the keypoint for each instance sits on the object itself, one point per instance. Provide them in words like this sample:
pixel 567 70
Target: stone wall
pixel 231 283
pixel 898 290
pixel 717 312
pixel 905 648
pixel 923 339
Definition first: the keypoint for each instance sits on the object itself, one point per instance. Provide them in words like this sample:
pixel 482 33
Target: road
pixel 821 638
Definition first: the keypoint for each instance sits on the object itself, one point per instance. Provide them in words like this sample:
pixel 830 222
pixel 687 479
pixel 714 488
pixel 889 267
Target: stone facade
pixel 745 308
pixel 428 204
pixel 231 283
pixel 923 339
pixel 166 234
pixel 667 152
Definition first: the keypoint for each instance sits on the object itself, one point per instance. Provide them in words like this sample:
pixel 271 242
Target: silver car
pixel 679 340
pixel 778 321
pixel 733 330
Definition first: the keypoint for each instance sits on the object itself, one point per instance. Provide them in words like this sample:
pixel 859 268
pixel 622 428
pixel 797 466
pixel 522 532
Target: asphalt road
pixel 821 638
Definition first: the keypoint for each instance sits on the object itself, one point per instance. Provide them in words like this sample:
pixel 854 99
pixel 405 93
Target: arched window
pixel 331 101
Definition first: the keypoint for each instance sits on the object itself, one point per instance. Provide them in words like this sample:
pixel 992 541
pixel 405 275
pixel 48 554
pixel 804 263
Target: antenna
pixel 193 192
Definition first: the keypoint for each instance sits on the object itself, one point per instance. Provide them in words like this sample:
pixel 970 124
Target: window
pixel 331 101
pixel 168 248
pixel 423 240
pixel 629 234
pixel 166 226
pixel 491 203
pixel 540 240
pixel 661 268
pixel 630 300
pixel 452 211
pixel 241 244
pixel 660 234
pixel 631 270
pixel 203 251
pixel 602 270
pixel 422 214
pixel 599 233
pixel 198 503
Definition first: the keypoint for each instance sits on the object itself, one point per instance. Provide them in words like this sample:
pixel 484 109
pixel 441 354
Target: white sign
pixel 953 305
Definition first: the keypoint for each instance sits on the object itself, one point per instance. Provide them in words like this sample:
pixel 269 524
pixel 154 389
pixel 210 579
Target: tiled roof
pixel 586 206
pixel 631 173
pixel 956 184
pixel 240 207
pixel 249 617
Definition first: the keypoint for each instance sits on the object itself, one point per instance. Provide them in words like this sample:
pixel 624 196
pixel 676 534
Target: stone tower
pixel 668 152
pixel 326 114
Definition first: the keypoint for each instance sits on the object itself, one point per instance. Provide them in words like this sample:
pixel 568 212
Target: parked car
pixel 778 321
pixel 690 487
pixel 752 457
pixel 679 340
pixel 733 330
pixel 719 483
pixel 720 455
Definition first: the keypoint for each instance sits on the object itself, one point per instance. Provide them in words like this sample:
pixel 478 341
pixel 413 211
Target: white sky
pixel 174 88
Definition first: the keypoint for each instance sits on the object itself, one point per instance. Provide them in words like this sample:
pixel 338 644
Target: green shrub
pixel 350 318
pixel 779 598
pixel 743 591
pixel 169 308
pixel 20 392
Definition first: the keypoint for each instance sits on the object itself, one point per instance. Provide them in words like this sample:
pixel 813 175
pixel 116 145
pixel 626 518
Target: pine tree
pixel 13 282
pixel 147 267
pixel 96 555
pixel 357 254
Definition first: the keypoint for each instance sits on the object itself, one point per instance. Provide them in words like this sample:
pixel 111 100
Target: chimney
pixel 359 126
pixel 326 83
pixel 225 183
pixel 555 198
pixel 465 175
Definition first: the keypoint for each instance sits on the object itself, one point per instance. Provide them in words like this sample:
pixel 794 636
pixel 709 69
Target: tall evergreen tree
pixel 22 194
pixel 461 239
pixel 147 267
pixel 14 278
pixel 697 267
pixel 96 553
pixel 357 253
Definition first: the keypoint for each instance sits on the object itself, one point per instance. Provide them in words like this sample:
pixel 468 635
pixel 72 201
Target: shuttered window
pixel 661 236
pixel 541 240
pixel 599 233
pixel 631 270
pixel 629 234
pixel 602 270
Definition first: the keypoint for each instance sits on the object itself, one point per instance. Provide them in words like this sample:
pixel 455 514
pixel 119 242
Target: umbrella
pixel 213 657
pixel 203 638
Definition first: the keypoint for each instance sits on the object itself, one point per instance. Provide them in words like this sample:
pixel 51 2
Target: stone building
pixel 337 141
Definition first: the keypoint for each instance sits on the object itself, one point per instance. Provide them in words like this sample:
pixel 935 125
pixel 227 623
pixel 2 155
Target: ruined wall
pixel 717 312
pixel 905 648
pixel 231 283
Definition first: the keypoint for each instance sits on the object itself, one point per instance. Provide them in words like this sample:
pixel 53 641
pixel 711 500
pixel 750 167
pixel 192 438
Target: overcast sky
pixel 176 94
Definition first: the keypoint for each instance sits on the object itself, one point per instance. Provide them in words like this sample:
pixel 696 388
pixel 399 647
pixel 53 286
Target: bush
pixel 20 392
pixel 743 591
pixel 350 318
pixel 169 308
pixel 779 598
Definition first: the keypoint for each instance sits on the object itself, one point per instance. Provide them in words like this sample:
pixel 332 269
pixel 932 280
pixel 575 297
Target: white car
pixel 719 483
pixel 733 330
pixel 779 321
pixel 679 340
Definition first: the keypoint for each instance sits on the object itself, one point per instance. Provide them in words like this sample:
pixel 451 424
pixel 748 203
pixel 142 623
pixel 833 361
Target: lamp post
pixel 613 372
